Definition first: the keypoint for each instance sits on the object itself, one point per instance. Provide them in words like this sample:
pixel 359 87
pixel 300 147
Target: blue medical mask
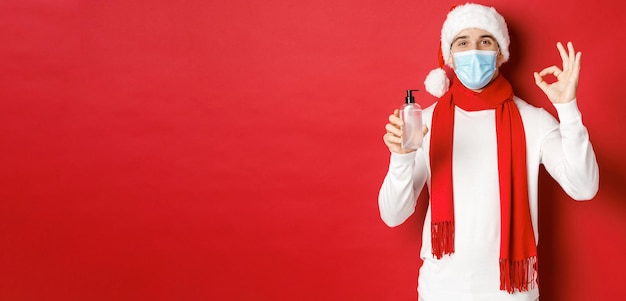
pixel 475 68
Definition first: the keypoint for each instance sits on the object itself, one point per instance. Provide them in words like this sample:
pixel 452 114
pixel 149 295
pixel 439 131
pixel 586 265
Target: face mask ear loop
pixel 499 53
pixel 451 56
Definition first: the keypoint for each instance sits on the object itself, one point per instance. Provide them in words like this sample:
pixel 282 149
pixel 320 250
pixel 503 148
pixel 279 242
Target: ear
pixel 499 59
pixel 450 61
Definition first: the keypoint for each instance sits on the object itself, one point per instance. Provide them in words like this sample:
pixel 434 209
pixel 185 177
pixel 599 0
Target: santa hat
pixel 460 18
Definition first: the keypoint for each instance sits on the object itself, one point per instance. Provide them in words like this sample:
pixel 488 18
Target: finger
pixel 571 54
pixel 424 129
pixel 386 139
pixel 575 68
pixel 390 128
pixel 392 146
pixel 390 140
pixel 395 120
pixel 540 82
pixel 563 54
pixel 554 70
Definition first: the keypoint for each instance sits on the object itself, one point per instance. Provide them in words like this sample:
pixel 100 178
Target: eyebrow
pixel 481 37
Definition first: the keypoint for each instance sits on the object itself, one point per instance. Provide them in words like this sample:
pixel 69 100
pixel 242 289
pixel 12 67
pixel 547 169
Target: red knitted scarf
pixel 518 253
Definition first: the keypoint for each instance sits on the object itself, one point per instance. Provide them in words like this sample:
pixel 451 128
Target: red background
pixel 232 150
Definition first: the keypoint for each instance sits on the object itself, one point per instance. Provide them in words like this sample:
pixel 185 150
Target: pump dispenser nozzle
pixel 409 96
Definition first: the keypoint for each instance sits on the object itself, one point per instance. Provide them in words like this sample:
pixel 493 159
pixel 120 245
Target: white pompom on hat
pixel 460 18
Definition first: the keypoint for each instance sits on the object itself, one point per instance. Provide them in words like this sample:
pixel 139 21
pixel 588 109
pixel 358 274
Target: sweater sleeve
pixel 402 185
pixel 568 155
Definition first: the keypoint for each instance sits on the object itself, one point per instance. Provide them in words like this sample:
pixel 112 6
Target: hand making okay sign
pixel 563 90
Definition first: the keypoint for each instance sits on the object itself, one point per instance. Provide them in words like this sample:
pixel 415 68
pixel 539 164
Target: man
pixel 480 159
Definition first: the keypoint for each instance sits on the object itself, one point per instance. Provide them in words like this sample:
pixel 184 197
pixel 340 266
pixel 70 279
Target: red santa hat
pixel 460 18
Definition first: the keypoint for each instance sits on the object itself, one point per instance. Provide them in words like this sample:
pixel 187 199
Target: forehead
pixel 472 33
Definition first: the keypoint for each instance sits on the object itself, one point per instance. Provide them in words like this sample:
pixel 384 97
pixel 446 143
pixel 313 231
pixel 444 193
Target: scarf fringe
pixel 442 238
pixel 520 275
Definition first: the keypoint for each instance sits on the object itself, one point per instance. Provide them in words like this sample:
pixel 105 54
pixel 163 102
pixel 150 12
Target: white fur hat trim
pixel 437 82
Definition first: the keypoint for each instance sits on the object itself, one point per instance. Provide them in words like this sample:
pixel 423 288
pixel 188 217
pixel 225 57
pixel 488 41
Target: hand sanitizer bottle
pixel 411 114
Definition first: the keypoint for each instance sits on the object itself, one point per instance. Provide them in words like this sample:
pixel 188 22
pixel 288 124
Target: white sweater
pixel 472 271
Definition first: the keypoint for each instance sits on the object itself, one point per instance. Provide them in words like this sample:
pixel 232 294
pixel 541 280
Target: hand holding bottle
pixel 393 136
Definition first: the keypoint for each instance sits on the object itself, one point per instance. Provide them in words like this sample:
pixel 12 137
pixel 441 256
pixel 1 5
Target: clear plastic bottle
pixel 411 114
